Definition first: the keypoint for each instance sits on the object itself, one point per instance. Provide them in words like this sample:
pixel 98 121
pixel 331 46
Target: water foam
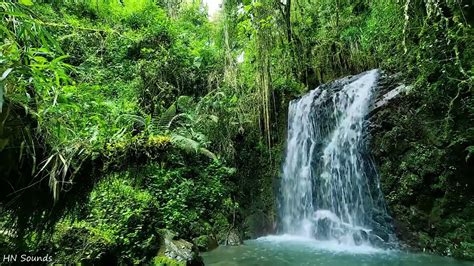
pixel 318 245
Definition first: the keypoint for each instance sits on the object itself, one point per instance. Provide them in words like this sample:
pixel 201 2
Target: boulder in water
pixel 360 237
pixel 376 240
pixel 357 239
pixel 381 232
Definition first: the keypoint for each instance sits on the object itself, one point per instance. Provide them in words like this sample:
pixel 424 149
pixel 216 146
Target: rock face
pixel 388 89
pixel 424 176
pixel 233 238
pixel 259 223
pixel 179 250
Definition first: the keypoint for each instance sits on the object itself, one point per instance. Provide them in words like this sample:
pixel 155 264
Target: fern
pixel 191 146
pixel 164 121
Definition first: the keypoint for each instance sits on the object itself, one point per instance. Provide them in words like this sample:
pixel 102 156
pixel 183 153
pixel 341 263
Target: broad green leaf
pixel 40 59
pixel 26 2
pixel 60 58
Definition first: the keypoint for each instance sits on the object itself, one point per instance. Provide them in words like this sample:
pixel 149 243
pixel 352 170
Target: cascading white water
pixel 325 189
pixel 297 174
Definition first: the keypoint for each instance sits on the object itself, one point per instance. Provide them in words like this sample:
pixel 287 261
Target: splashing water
pixel 329 190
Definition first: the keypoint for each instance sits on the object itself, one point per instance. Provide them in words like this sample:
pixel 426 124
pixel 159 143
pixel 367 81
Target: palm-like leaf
pixel 191 146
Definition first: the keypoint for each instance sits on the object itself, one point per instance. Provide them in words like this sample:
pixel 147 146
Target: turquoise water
pixel 289 250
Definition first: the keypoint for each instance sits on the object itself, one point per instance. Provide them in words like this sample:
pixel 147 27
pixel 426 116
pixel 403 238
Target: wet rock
pixel 178 250
pixel 258 224
pixel 389 96
pixel 381 217
pixel 357 239
pixel 381 232
pixel 360 237
pixel 233 238
pixel 389 88
pixel 364 235
pixel 376 240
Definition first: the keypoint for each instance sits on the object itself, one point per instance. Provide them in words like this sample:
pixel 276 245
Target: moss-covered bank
pixel 426 177
pixel 120 219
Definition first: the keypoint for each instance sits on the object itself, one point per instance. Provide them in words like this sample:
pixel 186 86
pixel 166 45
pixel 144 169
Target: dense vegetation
pixel 120 118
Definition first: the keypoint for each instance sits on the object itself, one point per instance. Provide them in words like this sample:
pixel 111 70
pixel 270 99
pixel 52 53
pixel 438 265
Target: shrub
pixel 120 225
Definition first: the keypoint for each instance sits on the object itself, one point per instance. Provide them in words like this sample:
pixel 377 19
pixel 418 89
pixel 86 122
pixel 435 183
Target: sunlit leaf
pixel 26 2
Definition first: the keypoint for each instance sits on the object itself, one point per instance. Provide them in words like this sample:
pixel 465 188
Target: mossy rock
pixel 233 238
pixel 205 243
pixel 177 250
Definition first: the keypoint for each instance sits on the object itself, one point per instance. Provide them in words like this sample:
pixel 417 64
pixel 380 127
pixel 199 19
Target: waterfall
pixel 329 189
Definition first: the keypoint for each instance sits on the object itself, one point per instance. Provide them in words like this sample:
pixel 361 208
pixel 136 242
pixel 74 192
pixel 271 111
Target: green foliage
pixel 121 219
pixel 165 261
pixel 83 105
pixel 205 243
pixel 120 222
pixel 189 197
pixel 80 241
pixel 34 74
pixel 127 65
pixel 128 214
pixel 424 179
pixel 424 139
pixel 158 98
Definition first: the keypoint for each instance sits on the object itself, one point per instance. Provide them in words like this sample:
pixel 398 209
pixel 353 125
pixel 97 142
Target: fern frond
pixel 191 146
pixel 162 123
